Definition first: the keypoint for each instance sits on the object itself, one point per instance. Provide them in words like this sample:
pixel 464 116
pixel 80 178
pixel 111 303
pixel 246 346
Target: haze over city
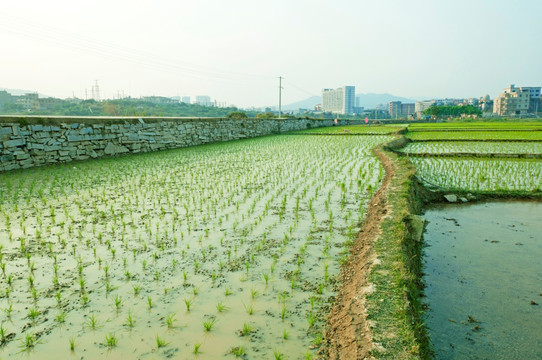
pixel 234 51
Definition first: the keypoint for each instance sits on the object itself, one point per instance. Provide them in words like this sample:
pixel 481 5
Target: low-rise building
pixel 517 101
pixel 29 101
pixel 398 109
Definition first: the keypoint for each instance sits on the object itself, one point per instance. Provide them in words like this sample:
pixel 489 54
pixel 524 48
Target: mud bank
pixel 377 313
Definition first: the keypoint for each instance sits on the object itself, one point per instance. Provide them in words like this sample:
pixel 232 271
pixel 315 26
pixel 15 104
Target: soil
pixel 348 335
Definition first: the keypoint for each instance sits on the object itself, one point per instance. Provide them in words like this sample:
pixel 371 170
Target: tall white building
pixel 339 101
pixel 185 99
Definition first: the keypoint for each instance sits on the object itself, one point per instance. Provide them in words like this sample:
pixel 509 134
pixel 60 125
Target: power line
pixel 44 33
pixel 301 89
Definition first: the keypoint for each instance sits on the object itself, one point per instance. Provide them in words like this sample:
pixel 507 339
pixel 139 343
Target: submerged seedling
pixel 160 343
pixel 111 340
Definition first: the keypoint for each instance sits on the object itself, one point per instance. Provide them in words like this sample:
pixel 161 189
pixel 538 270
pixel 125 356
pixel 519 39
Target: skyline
pixel 235 52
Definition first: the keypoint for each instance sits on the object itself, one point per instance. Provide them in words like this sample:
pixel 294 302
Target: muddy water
pixel 256 228
pixel 484 280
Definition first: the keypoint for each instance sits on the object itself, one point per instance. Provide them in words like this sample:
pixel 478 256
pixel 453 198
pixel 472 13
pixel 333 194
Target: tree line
pixel 452 110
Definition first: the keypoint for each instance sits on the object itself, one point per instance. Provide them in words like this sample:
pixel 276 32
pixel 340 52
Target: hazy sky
pixel 234 50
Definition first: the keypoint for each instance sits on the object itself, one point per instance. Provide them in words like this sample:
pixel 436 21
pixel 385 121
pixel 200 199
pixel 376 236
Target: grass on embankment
pixel 394 308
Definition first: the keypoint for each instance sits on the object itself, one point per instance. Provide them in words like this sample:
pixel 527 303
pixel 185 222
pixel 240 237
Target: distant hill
pixel 19 92
pixel 308 103
pixel 368 101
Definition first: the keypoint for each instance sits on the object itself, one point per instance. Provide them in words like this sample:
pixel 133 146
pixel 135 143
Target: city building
pixel 29 101
pixel 203 100
pixel 159 100
pixel 517 101
pixel 397 109
pixel 420 106
pixel 6 98
pixel 185 99
pixel 339 101
pixel 49 103
pixel 486 104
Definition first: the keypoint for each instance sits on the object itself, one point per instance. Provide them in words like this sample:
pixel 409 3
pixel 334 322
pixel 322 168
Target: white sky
pixel 234 50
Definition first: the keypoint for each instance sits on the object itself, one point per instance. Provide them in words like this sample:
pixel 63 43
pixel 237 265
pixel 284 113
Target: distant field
pixel 478 126
pixel 475 147
pixel 475 135
pixel 354 129
pixel 459 156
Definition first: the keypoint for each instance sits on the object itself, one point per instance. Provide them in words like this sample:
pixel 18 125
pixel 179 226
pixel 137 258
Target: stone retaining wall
pixel 59 140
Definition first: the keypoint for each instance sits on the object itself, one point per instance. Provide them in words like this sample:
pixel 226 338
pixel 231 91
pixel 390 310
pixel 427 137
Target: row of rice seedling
pixel 481 174
pixel 451 147
pixel 369 129
pixel 477 126
pixel 475 135
pixel 223 249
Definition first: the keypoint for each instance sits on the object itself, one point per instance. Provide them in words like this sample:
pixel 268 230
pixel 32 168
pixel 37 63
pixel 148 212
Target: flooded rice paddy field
pixel 446 147
pixel 222 250
pixel 484 280
pixel 481 174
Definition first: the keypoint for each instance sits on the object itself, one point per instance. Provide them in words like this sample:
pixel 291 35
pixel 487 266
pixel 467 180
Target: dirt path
pixel 349 336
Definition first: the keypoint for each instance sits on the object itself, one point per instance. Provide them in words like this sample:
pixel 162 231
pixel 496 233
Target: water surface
pixel 483 276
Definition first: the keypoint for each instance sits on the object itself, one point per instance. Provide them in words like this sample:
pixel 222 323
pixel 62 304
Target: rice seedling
pixel 111 340
pixel 170 319
pixel 61 318
pixel 3 334
pixel 249 309
pixel 238 351
pixel 92 322
pixel 130 322
pixel 253 293
pixel 277 355
pixel 209 324
pixel 28 342
pixel 246 329
pixel 72 343
pixel 188 303
pixel 160 342
pixel 196 349
pixel 283 312
pixel 220 307
pixel 311 319
pixel 33 314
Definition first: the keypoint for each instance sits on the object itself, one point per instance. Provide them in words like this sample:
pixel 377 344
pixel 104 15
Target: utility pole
pixel 280 96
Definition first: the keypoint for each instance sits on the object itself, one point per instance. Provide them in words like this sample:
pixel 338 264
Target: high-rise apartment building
pixel 339 101
pixel 517 101
pixel 185 99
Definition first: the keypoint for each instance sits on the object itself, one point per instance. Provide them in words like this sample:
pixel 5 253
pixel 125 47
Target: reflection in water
pixel 484 280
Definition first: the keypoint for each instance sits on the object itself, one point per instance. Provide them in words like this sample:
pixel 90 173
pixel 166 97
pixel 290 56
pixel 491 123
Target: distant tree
pixel 452 110
pixel 267 115
pixel 237 115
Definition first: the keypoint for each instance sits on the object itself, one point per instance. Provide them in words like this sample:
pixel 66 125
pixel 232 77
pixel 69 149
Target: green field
pixel 477 126
pixel 481 172
pixel 228 249
pixel 473 147
pixel 354 130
